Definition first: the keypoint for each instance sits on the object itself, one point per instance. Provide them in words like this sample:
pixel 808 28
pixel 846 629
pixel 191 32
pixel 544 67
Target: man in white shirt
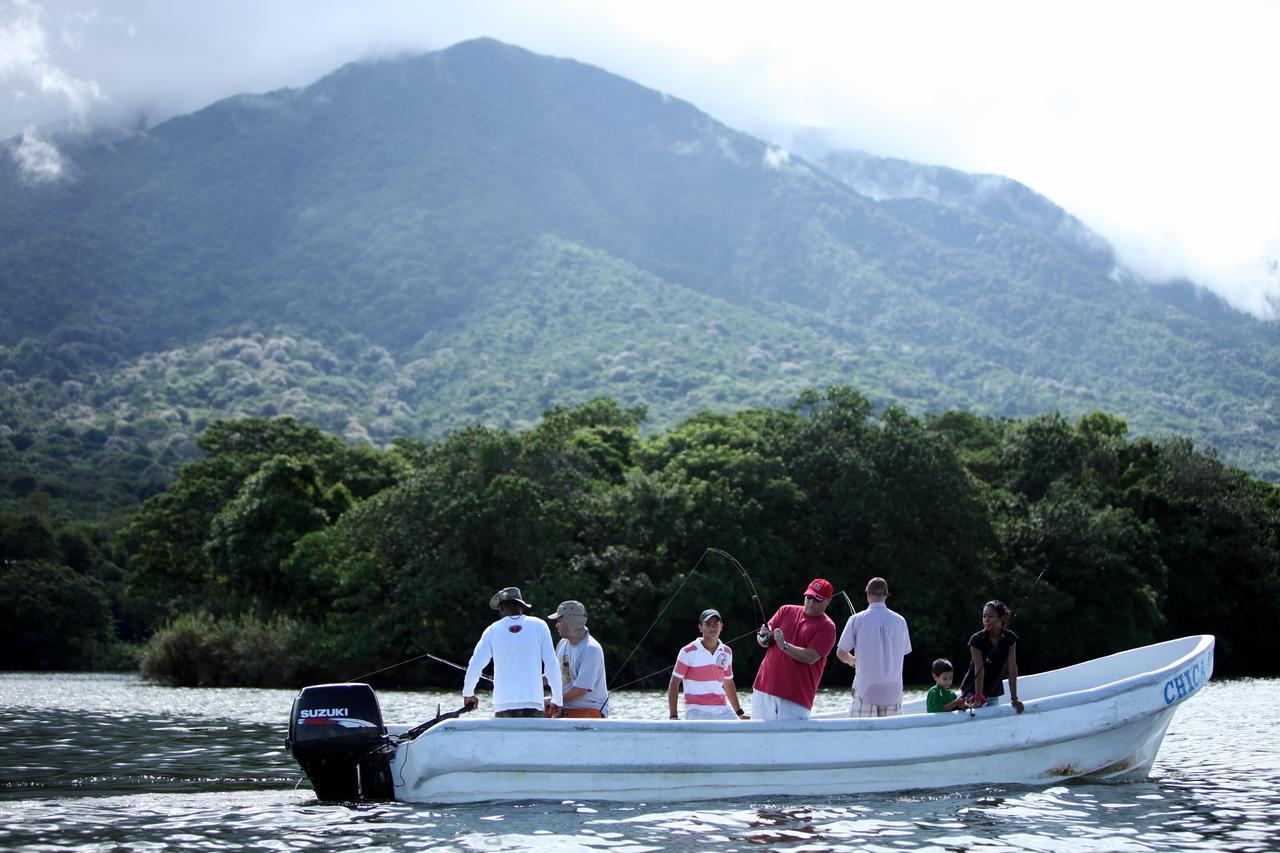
pixel 521 651
pixel 581 657
pixel 875 642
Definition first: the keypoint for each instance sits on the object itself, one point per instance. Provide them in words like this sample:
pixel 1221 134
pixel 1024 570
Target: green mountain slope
pixel 408 246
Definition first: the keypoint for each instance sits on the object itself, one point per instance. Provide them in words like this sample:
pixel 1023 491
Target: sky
pixel 1153 121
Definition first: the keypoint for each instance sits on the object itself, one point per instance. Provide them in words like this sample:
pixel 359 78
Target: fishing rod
pixel 457 666
pixel 439 718
pixel 411 660
pixel 755 596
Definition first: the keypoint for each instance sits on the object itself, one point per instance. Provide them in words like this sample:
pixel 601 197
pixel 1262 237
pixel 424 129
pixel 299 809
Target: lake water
pixel 109 762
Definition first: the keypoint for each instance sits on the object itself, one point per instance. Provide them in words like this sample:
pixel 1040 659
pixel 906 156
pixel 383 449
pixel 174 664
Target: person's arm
pixel 673 691
pixel 480 657
pixel 551 670
pixel 731 691
pixel 799 653
pixel 958 702
pixel 1013 678
pixel 845 647
pixel 975 655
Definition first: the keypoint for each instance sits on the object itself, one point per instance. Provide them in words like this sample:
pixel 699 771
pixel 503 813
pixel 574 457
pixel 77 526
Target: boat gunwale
pixel 1035 707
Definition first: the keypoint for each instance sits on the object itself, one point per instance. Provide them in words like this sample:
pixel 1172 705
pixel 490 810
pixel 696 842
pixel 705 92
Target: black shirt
pixel 995 659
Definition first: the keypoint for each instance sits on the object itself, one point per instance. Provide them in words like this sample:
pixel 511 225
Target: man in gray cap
pixel 581 664
pixel 520 648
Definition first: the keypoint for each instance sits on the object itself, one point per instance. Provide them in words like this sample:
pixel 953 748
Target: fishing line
pixel 755 598
pixel 663 610
pixel 672 666
pixel 89 768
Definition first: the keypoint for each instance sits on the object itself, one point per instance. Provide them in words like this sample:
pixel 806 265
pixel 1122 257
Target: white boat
pixel 1103 719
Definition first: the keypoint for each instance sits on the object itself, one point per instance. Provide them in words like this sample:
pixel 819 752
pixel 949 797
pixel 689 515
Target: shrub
pixel 197 650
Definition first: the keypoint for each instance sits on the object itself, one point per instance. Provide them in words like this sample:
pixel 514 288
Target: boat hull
pixel 1101 719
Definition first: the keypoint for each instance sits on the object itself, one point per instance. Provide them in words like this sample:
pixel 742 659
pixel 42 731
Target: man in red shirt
pixel 798 640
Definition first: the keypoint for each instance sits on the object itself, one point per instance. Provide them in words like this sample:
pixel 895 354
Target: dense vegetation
pixel 410 247
pixel 285 555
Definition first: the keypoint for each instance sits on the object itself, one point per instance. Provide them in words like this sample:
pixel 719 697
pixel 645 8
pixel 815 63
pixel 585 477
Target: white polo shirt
pixel 880 639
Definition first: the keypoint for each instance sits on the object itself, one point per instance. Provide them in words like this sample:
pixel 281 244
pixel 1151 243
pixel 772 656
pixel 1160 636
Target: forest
pixel 284 555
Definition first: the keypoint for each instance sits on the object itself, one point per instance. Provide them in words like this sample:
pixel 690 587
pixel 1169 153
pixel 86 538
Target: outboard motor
pixel 337 735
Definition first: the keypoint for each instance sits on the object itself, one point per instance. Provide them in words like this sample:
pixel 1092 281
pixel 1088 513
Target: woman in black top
pixel 991 649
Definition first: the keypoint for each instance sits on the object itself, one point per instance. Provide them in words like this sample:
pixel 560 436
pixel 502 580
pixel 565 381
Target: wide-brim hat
pixel 510 593
pixel 573 609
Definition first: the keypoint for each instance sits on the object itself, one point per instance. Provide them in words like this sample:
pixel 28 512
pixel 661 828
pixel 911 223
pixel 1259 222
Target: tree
pixel 281 502
pixel 1039 451
pixel 1219 535
pixel 51 617
pixel 168 540
pixel 929 533
pixel 1086 576
pixel 26 536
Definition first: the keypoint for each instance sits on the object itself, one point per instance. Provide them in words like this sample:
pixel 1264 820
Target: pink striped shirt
pixel 704 672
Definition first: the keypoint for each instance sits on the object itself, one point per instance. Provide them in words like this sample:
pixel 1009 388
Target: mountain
pixel 409 246
pixel 893 180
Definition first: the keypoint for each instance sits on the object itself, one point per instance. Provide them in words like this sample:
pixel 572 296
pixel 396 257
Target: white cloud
pixel 775 158
pixel 37 159
pixel 26 64
pixel 74 29
pixel 26 59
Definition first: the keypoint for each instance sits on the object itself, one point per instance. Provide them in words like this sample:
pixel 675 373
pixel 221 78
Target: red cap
pixel 820 589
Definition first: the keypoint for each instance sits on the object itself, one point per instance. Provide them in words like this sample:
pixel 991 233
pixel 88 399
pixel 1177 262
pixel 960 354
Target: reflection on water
pixel 104 762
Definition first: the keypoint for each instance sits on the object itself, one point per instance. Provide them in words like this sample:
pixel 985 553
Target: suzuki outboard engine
pixel 337 735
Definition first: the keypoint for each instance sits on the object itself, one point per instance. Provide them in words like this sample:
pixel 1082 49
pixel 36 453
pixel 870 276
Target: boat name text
pixel 1186 682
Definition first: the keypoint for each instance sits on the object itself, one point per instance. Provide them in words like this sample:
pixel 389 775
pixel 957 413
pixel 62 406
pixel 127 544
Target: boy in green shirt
pixel 941 696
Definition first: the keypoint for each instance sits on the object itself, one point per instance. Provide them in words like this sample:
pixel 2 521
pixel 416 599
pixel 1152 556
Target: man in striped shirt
pixel 705 668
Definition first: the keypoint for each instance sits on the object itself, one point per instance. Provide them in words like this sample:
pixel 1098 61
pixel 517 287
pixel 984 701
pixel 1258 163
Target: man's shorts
pixel 765 706
pixel 519 712
pixel 709 712
pixel 858 708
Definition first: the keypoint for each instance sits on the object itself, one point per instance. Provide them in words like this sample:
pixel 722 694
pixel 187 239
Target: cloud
pixel 25 58
pixel 38 160
pixel 26 64
pixel 776 158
